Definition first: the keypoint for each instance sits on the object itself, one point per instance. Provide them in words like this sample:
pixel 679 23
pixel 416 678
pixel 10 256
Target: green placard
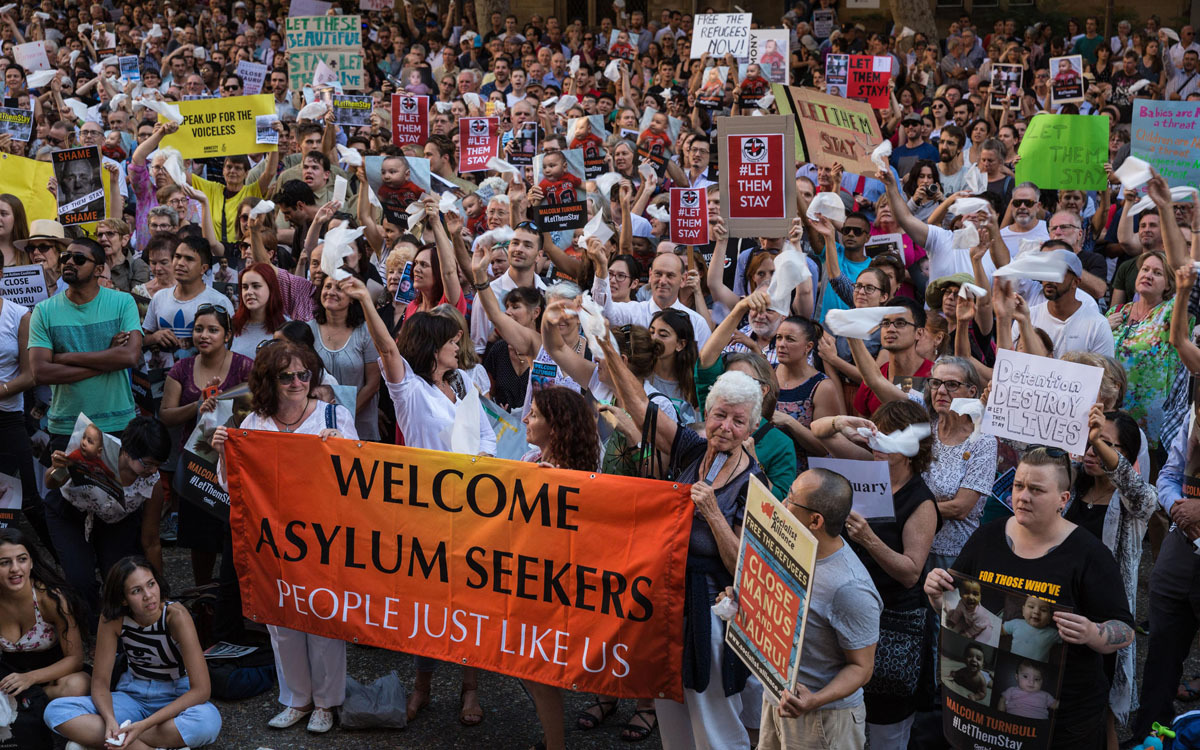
pixel 1064 152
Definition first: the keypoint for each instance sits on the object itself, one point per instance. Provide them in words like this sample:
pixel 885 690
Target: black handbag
pixel 898 655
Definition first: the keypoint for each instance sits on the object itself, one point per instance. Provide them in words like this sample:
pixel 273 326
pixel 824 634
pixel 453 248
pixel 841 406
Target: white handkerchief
pixel 373 199
pixel 550 102
pixel 976 182
pixel 828 205
pixel 498 235
pixel 173 162
pixel 906 32
pixel 117 101
pixel 906 442
pixel 41 15
pixel 167 110
pixel 501 166
pixel 596 227
pixel 40 78
pixel 350 156
pixel 881 154
pixel 1139 85
pixel 1029 246
pixel 339 243
pixel 154 32
pixel 120 738
pixel 726 609
pixel 659 213
pixel 1178 194
pixel 605 182
pixel 448 204
pixel 966 238
pixel 1035 266
pixel 859 322
pixel 969 407
pixel 442 107
pixel 472 99
pixel 340 185
pixel 968 206
pixel 415 218
pixel 565 103
pixel 464 431
pixel 647 171
pixel 262 207
pixel 970 291
pixel 1133 173
pixel 765 101
pixel 499 106
pixel 1171 34
pixel 314 111
pixel 613 71
pixel 791 270
pixel 591 320
pixel 573 66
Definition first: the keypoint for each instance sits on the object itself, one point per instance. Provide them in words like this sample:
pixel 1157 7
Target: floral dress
pixel 1151 364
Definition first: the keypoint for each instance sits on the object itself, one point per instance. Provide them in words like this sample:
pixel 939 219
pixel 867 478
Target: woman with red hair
pixel 260 310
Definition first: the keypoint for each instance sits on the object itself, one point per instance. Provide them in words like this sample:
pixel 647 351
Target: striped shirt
pixel 152 653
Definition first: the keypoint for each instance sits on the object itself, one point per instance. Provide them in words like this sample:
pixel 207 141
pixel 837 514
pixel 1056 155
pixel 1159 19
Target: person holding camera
pixel 923 188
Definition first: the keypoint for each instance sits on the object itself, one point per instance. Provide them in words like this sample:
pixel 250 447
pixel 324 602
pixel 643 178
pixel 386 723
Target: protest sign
pixel 1165 134
pixel 773 582
pixel 253 76
pixel 721 34
pixel 524 145
pixel 1007 80
pixel 1066 80
pixel 351 110
pixel 264 129
pixel 886 244
pixel 711 93
pixel 197 479
pixel 93 467
pixel 870 480
pixel 689 216
pixel 16 122
pixel 24 285
pixel 410 119
pixel 334 40
pixel 1000 660
pixel 834 131
pixel 501 565
pixel 131 67
pixel 837 75
pixel 80 191
pixel 11 499
pixel 584 133
pixel 1041 400
pixel 559 175
pixel 27 179
pixel 105 42
pixel 868 80
pixel 147 386
pixel 769 48
pixel 226 126
pixel 758 193
pixel 1064 152
pixel 823 20
pixel 308 7
pixel 376 4
pixel 32 56
pixel 480 138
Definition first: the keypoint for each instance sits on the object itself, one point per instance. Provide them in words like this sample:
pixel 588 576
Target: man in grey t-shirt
pixel 827 709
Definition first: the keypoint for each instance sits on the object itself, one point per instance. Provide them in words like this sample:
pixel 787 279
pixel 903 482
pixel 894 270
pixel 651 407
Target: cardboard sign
pixel 80 191
pixel 689 216
pixel 721 34
pixel 559 175
pixel 1066 80
pixel 32 56
pixel 1001 663
pixel 773 583
pixel 837 75
pixel 769 48
pixel 410 119
pixel 351 110
pixel 431 538
pixel 1006 79
pixel 586 134
pixel 334 40
pixel 1064 152
pixel 24 285
pixel 834 130
pixel 16 122
pixel 1041 400
pixel 823 20
pixel 758 192
pixel 886 244
pixel 1165 135
pixel 131 67
pixel 253 76
pixel 870 480
pixel 479 139
pixel 868 80
pixel 524 146
pixel 226 126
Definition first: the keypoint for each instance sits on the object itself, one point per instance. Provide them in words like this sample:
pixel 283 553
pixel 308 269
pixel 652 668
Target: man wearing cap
pixel 1072 325
pixel 914 147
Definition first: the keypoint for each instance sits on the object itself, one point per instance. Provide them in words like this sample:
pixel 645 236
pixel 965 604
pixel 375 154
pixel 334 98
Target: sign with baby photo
pixel 92 466
pixel 197 479
pixel 1001 662
pixel 559 175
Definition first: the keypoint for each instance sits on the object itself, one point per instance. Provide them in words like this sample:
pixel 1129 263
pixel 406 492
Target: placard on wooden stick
pixel 758 189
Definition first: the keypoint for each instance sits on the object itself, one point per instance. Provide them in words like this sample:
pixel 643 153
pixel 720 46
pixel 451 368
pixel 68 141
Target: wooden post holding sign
pixel 834 130
pixel 689 216
pixel 758 192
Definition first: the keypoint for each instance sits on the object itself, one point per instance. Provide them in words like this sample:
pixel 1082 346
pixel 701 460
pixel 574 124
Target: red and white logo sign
pixel 410 119
pixel 689 216
pixel 479 141
pixel 757 177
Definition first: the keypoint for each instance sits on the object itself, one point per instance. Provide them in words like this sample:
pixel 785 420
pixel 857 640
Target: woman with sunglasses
pixel 183 401
pixel 1072 569
pixel 311 669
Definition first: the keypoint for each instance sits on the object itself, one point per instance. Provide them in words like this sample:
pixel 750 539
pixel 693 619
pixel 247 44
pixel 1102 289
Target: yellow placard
pixel 223 126
pixel 28 180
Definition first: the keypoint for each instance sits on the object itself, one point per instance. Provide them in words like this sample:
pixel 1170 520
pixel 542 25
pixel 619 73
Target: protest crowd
pixel 909 297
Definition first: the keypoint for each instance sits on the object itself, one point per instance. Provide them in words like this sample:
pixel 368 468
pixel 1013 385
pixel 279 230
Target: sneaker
pixel 321 720
pixel 286 718
pixel 170 528
pixel 74 746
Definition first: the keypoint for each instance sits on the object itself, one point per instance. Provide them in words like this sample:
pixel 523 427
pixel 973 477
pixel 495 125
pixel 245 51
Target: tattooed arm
pixel 1103 637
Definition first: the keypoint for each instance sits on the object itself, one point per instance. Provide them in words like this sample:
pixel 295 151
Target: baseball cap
pixel 1070 259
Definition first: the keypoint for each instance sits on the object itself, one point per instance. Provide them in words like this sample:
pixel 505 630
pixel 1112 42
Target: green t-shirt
pixel 60 325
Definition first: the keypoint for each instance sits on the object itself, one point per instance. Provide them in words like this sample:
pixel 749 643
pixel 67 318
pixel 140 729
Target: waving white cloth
pixel 828 205
pixel 605 182
pixel 40 78
pixel 173 163
pixel 976 182
pixel 464 431
pixel 263 207
pixel 448 204
pixel 968 206
pixel 1178 194
pixel 859 322
pixel 1134 173
pixel 167 110
pixel 573 66
pixel 791 270
pixel 969 291
pixel 339 243
pixel 498 235
pixel 969 407
pixel 472 100
pixel 596 227
pixel 314 111
pixel 565 102
pixel 500 165
pixel 1035 266
pixel 613 71
pixel 881 154
pixel 350 156
pixel 659 213
pixel 965 238
pixel 906 442
pixel 766 100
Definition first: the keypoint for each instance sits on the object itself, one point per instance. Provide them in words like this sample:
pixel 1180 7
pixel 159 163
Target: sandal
pixel 417 700
pixel 469 717
pixel 1188 691
pixel 588 720
pixel 637 732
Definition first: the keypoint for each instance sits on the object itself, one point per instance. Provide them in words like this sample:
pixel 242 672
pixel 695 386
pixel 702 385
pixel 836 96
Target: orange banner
pixel 563 577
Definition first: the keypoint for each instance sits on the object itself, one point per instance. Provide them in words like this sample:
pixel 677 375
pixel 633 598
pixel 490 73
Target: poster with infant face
pixel 1000 662
pixel 92 461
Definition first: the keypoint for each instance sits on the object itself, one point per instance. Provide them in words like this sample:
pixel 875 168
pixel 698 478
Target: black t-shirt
pixel 906 501
pixel 1081 572
pixel 1094 263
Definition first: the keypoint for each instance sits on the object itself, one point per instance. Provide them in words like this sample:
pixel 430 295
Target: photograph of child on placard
pixel 752 80
pixel 963 613
pixel 659 131
pixel 968 668
pixel 712 92
pixel 1029 628
pixel 587 135
pixel 1020 685
pixel 92 458
pixel 417 81
pixel 773 53
pixel 559 175
pixel 1066 80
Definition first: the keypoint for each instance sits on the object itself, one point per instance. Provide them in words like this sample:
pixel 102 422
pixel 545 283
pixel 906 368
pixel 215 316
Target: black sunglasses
pixel 1055 453
pixel 854 231
pixel 1023 203
pixel 285 378
pixel 209 308
pixel 75 259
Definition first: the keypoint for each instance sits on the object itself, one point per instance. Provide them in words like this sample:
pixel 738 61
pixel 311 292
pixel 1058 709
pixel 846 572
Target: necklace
pixel 290 426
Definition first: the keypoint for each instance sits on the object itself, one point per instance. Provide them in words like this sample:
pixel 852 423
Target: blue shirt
pixel 1170 479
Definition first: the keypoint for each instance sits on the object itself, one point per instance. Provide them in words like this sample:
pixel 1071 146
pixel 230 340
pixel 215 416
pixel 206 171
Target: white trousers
pixel 891 735
pixel 708 720
pixel 311 669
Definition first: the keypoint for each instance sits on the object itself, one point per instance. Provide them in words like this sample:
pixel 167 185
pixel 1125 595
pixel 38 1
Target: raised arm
pixel 148 146
pixel 522 340
pixel 633 398
pixel 445 250
pixel 884 389
pixel 716 274
pixel 1173 242
pixel 1181 333
pixel 268 173
pixel 389 354
pixel 915 228
pixel 574 364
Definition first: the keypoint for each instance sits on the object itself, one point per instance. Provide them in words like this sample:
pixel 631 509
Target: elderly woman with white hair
pixel 148 173
pixel 718 466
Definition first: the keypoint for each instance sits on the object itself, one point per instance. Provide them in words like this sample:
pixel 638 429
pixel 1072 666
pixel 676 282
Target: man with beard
pixel 950 159
pixel 898 334
pixel 1072 325
pixel 523 251
pixel 1026 205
